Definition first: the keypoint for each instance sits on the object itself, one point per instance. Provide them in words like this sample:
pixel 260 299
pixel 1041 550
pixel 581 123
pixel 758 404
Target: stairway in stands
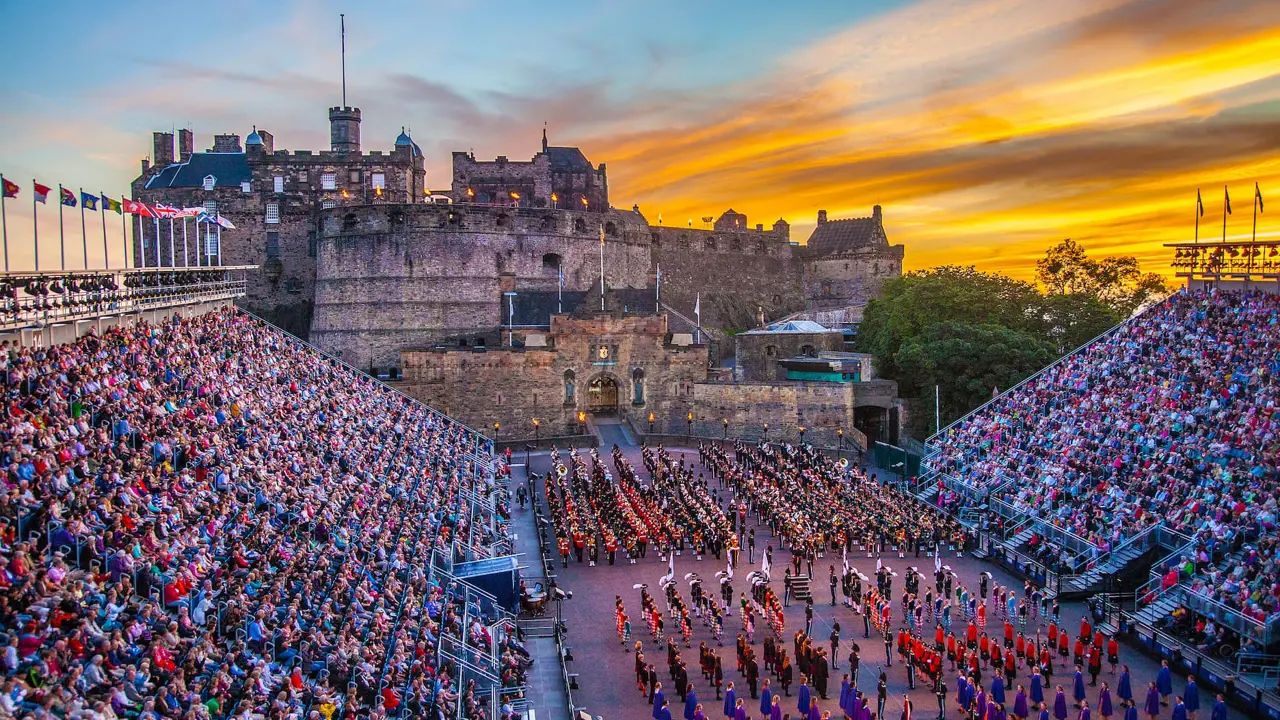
pixel 800 588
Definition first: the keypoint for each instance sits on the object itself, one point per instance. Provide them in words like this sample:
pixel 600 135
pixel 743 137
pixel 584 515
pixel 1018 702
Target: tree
pixel 1067 269
pixel 966 360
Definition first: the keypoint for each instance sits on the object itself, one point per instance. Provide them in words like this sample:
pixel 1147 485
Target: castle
pixel 358 254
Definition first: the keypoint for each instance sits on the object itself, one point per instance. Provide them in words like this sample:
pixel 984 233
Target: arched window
pixel 610 229
pixel 808 351
pixel 637 386
pixel 551 263
pixel 548 222
pixel 579 225
pixel 349 222
pixel 503 221
pixel 569 387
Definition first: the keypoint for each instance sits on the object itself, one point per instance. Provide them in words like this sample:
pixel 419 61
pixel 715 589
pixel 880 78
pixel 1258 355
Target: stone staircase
pixel 800 588
pixel 1156 611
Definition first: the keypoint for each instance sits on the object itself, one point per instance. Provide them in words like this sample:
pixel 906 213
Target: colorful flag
pixel 137 208
pixel 1227 195
pixel 1199 203
pixel 602 233
pixel 89 202
pixel 1257 192
pixel 109 204
pixel 10 189
pixel 165 211
pixel 68 197
pixel 42 192
pixel 218 220
pixel 561 270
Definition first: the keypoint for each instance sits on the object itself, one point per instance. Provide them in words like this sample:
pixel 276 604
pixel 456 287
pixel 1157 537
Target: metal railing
pixel 34 300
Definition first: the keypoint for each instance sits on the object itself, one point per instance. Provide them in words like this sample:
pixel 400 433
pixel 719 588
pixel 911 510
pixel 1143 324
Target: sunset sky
pixel 987 130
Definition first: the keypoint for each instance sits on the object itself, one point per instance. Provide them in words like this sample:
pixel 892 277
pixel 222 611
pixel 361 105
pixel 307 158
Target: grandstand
pixel 207 516
pixel 1142 469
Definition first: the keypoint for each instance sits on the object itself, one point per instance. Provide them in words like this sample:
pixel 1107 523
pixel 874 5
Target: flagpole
pixel 560 288
pixel 4 225
pixel 173 257
pixel 84 235
pixel 62 236
pixel 1226 203
pixel 102 207
pixel 602 268
pixel 1198 206
pixel 218 219
pixel 157 236
pixel 1254 241
pixel 657 291
pixel 35 224
pixel 186 258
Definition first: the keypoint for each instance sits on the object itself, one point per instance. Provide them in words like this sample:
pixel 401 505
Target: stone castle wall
pixel 852 278
pixel 736 273
pixel 407 276
pixel 511 386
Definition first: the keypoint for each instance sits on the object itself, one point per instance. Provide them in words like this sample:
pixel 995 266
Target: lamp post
pixel 496 427
pixel 765 438
pixel 582 423
pixel 688 418
pixel 801 434
pixel 537 432
pixel 650 423
pixel 725 421
pixel 840 436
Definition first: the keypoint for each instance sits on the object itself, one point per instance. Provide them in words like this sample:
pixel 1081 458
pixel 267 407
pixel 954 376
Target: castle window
pixel 211 207
pixel 302 177
pixel 569 378
pixel 637 386
pixel 273 244
pixel 273 212
pixel 379 181
pixel 278 183
pixel 246 187
pixel 329 181
pixel 737 244
pixel 349 222
pixel 657 240
pixel 354 176
pixel 551 262
pixel 209 182
pixel 579 225
pixel 503 221
pixel 846 266
pixel 711 242
pixel 311 244
pixel 610 229
pixel 326 204
pixel 548 222
pixel 808 351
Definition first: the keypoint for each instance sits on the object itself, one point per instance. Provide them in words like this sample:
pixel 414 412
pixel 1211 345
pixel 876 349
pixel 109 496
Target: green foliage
pixel 970 332
pixel 1118 282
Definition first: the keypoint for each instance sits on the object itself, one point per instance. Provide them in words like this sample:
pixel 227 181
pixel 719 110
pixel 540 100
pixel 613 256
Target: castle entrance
pixel 602 396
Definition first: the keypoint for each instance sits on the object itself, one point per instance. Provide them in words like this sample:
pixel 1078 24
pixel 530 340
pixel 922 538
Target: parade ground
pixel 606 669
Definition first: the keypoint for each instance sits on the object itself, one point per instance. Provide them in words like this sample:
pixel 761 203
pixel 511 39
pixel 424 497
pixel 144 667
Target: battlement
pixel 743 241
pixel 619 226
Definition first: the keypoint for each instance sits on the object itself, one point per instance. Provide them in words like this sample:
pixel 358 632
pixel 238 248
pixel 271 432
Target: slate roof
pixel 568 159
pixel 836 236
pixel 230 169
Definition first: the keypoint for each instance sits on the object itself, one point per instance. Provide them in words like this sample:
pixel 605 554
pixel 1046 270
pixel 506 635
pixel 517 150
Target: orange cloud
pixel 990 130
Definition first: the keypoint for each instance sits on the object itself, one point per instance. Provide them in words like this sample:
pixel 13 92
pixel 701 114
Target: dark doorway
pixel 602 396
pixel 872 422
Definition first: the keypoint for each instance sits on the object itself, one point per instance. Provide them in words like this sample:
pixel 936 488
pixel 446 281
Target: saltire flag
pixel 1227 195
pixel 212 219
pixel 136 208
pixel 87 201
pixel 1199 203
pixel 561 271
pixel 42 192
pixel 109 204
pixel 10 189
pixel 1257 193
pixel 68 197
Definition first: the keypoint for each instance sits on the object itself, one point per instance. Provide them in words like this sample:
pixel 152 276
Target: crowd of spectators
pixel 1171 418
pixel 206 518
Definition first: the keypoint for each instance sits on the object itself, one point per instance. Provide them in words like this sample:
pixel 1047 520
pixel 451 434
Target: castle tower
pixel 344 129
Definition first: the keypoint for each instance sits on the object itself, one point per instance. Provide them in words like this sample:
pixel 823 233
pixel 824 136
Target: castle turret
pixel 344 129
pixel 822 217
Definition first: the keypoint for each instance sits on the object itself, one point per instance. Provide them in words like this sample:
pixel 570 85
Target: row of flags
pixel 124 205
pixel 1226 197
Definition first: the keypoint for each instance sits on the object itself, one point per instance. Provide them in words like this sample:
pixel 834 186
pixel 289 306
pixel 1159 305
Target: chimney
pixel 268 142
pixel 229 143
pixel 186 144
pixel 162 148
pixel 146 165
pixel 875 212
pixel 822 217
